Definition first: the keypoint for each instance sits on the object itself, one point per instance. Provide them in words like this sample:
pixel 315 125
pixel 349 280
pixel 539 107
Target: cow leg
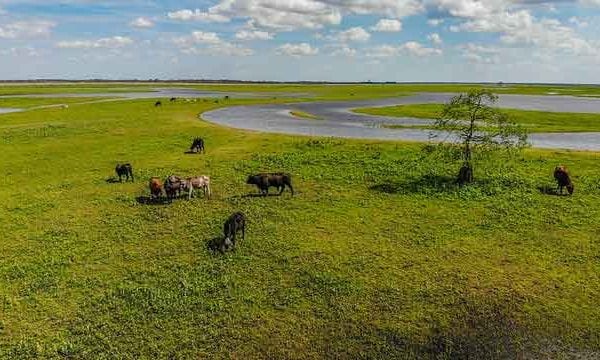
pixel 244 231
pixel 291 189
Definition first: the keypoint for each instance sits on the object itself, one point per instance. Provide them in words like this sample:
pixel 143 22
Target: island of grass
pixel 304 115
pixel 379 255
pixel 534 121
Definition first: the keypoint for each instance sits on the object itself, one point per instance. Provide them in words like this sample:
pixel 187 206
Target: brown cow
pixel 563 179
pixel 155 187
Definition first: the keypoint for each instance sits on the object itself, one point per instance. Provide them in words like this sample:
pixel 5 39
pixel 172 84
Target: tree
pixel 472 121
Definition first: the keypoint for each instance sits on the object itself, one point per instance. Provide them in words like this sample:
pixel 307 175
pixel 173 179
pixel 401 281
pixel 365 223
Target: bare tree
pixel 473 120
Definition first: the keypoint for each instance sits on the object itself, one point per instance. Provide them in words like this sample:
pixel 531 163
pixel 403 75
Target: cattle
pixel 234 224
pixel 173 99
pixel 158 103
pixel 198 182
pixel 124 170
pixel 173 186
pixel 155 187
pixel 563 179
pixel 265 181
pixel 197 146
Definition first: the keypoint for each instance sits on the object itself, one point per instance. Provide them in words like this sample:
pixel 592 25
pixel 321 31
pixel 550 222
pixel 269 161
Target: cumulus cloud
pixel 248 35
pixel 343 51
pixel 412 48
pixel 388 25
pixel 479 54
pixel 355 34
pixel 435 39
pixel 297 50
pixel 115 42
pixel 224 48
pixel 197 15
pixel 197 37
pixel 26 29
pixel 283 15
pixel 142 23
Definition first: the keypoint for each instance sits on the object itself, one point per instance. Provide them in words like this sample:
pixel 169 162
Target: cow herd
pixel 174 186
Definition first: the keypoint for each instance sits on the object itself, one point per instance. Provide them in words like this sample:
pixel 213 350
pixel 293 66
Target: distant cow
pixel 158 103
pixel 173 186
pixel 155 187
pixel 124 170
pixel 197 146
pixel 234 224
pixel 173 99
pixel 563 180
pixel 265 181
pixel 198 182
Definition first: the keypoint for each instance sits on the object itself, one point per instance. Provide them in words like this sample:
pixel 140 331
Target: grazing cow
pixel 198 146
pixel 173 186
pixel 124 170
pixel 173 99
pixel 198 182
pixel 158 103
pixel 563 180
pixel 264 181
pixel 155 187
pixel 234 224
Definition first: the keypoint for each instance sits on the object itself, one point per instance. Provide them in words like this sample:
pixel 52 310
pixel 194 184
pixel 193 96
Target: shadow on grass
pixel 189 152
pixel 424 184
pixel 112 180
pixel 149 200
pixel 550 190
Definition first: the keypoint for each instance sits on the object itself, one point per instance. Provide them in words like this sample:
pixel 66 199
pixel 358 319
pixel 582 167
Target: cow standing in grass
pixel 198 182
pixel 234 224
pixel 197 146
pixel 124 170
pixel 173 186
pixel 563 179
pixel 265 181
pixel 158 103
pixel 156 187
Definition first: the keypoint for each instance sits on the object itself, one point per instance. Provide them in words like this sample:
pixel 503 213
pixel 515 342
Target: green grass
pixel 310 91
pixel 304 115
pixel 25 103
pixel 379 255
pixel 534 121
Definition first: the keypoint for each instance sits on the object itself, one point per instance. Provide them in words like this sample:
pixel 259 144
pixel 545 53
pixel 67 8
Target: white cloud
pixel 288 15
pixel 142 22
pixel 115 42
pixel 197 37
pixel 197 15
pixel 26 29
pixel 580 23
pixel 388 25
pixel 412 48
pixel 224 48
pixel 297 50
pixel 344 51
pixel 435 39
pixel 479 54
pixel 253 35
pixel 355 34
pixel 435 22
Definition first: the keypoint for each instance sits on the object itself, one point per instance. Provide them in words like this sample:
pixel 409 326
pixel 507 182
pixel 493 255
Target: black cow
pixel 234 224
pixel 124 170
pixel 265 181
pixel 173 99
pixel 198 146
pixel 158 103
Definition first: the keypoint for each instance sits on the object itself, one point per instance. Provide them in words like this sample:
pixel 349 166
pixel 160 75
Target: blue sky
pixel 333 40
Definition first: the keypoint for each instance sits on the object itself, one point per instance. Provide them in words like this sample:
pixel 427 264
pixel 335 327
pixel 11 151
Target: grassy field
pixel 534 121
pixel 26 103
pixel 379 255
pixel 312 91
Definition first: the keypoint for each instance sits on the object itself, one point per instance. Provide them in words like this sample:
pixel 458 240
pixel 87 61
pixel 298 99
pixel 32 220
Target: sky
pixel 550 41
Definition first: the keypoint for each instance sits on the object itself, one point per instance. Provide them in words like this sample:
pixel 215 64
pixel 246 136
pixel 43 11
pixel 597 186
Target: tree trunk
pixel 465 175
